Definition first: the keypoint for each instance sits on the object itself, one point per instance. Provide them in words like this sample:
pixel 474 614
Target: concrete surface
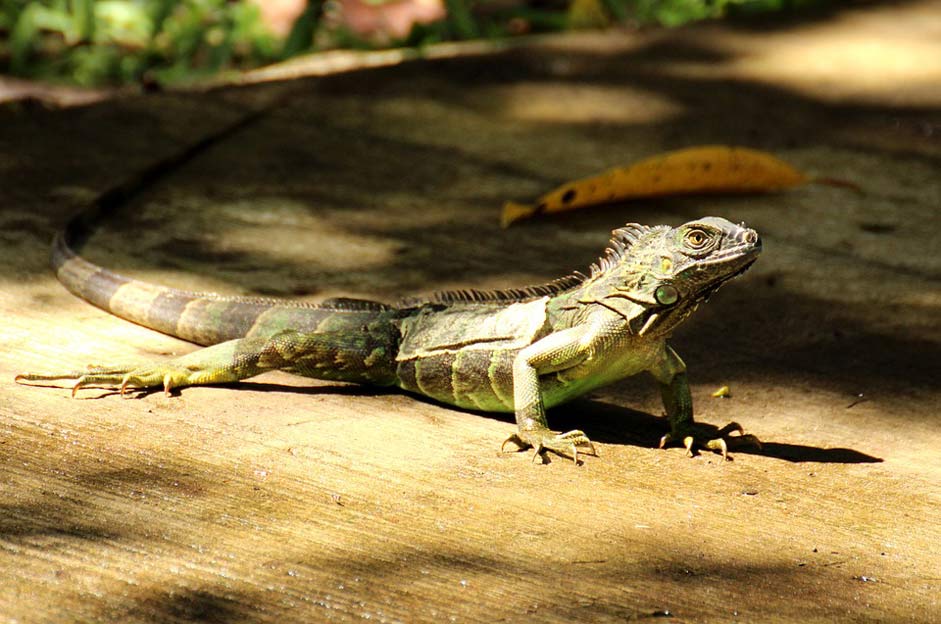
pixel 287 500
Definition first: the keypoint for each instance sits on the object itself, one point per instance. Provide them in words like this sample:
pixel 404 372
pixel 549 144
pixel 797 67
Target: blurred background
pixel 158 42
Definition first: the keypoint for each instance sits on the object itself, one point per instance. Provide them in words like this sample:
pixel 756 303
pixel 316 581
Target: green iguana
pixel 518 350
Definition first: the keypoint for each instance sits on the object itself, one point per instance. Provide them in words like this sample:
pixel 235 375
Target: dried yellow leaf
pixel 723 393
pixel 704 169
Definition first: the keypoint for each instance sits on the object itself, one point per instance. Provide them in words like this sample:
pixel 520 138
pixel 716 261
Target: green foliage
pixel 302 32
pixel 676 12
pixel 672 13
pixel 115 41
pixel 461 20
pixel 93 42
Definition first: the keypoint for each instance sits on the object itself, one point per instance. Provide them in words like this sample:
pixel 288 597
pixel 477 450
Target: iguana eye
pixel 696 239
pixel 666 294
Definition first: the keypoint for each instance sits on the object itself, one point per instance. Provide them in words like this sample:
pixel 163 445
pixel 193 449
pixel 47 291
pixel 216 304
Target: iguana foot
pixel 711 438
pixel 565 444
pixel 221 363
pixel 137 377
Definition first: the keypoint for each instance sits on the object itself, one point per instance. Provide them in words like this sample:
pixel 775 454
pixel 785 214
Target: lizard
pixel 516 350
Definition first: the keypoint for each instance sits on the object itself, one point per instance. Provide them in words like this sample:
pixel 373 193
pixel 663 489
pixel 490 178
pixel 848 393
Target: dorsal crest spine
pixel 506 295
pixel 622 241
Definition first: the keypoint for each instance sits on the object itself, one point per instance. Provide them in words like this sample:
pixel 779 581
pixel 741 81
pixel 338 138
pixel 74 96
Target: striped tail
pixel 202 318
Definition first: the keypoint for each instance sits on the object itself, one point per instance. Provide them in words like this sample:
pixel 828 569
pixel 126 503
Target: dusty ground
pixel 293 501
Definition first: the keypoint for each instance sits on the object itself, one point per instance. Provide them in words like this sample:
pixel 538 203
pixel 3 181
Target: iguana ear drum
pixel 666 294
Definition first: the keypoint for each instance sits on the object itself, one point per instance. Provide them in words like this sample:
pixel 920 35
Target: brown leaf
pixel 703 169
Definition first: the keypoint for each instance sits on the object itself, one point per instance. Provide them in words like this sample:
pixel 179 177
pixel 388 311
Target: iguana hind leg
pixel 343 356
pixel 216 364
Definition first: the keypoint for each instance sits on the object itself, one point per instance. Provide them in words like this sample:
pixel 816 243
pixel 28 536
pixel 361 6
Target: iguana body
pixel 518 350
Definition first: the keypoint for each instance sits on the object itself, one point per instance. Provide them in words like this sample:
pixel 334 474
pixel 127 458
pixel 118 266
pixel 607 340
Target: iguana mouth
pixel 707 292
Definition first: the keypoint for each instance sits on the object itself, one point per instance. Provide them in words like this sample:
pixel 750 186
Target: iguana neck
pixel 580 304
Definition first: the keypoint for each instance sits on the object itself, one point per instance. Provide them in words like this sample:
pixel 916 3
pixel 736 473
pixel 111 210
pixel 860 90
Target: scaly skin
pixel 519 350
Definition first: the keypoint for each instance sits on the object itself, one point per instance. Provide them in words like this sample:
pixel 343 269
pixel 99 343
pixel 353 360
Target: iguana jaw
pixel 664 321
pixel 703 296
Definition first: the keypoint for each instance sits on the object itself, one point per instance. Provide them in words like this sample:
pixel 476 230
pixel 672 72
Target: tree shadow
pixel 65 518
pixel 376 585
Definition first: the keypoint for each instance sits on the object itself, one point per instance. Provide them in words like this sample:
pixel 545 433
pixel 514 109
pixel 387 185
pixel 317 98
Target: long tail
pixel 202 318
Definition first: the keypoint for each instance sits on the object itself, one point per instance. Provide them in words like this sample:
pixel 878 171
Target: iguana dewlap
pixel 518 350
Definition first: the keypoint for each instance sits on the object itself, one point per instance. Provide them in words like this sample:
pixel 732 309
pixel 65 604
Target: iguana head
pixel 656 276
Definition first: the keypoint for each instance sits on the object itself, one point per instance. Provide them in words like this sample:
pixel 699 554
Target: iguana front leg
pixel 333 355
pixel 558 351
pixel 670 372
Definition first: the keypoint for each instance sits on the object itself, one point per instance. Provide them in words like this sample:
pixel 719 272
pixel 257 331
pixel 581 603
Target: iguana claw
pixel 121 379
pixel 545 440
pixel 92 377
pixel 720 442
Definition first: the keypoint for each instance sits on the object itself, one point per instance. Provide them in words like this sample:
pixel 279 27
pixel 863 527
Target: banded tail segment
pixel 201 318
